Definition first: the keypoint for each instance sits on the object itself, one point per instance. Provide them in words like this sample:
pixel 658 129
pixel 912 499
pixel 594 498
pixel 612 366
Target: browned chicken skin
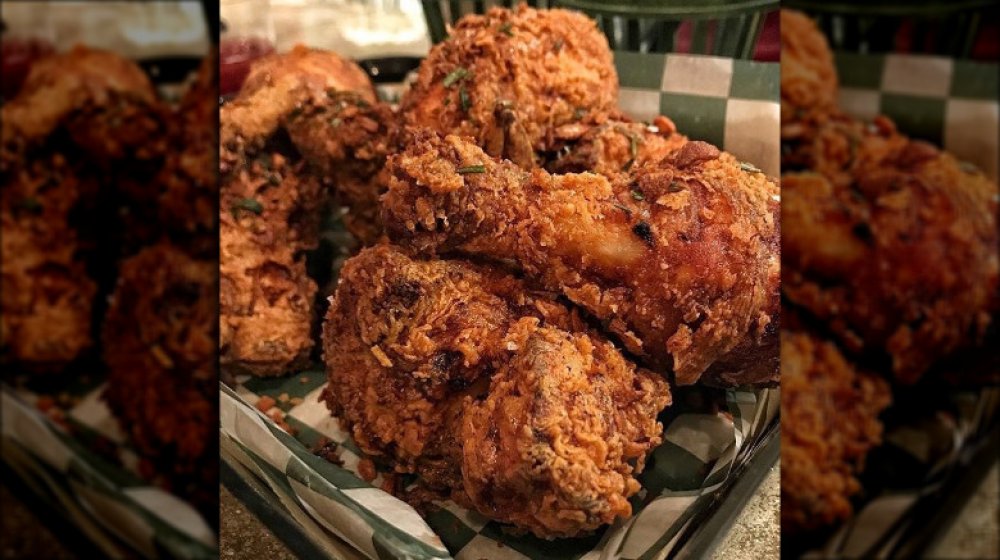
pixel 612 144
pixel 567 423
pixel 421 354
pixel 904 261
pixel 47 297
pixel 509 78
pixel 678 259
pixel 274 189
pixel 829 422
pixel 159 344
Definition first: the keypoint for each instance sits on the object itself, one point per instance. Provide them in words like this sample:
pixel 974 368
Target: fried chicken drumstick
pixel 299 115
pixel 442 366
pixel 678 259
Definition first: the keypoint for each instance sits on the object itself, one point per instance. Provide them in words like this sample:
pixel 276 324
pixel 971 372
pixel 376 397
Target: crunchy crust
pixel 904 261
pixel 680 259
pixel 159 343
pixel 528 72
pixel 411 345
pixel 567 424
pixel 273 161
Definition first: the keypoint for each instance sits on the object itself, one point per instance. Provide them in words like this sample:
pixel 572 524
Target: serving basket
pixel 718 444
pixel 922 65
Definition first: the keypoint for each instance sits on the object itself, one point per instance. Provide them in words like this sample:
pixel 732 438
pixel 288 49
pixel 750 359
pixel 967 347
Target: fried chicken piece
pixel 509 77
pixel 105 102
pixel 566 425
pixel 903 260
pixel 159 344
pixel 47 296
pixel 347 139
pixel 269 213
pixel 679 259
pixel 189 178
pixel 612 144
pixel 404 341
pixel 808 75
pixel 273 194
pixel 829 422
pixel 410 348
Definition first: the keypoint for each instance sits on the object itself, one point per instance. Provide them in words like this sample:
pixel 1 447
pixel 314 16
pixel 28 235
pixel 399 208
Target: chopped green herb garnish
pixel 749 168
pixel 579 113
pixel 274 179
pixel 637 195
pixel 463 98
pixel 31 205
pixel 623 209
pixel 506 29
pixel 969 168
pixel 247 204
pixel 558 45
pixel 335 122
pixel 456 75
pixel 472 169
pixel 633 147
pixel 674 187
pixel 264 161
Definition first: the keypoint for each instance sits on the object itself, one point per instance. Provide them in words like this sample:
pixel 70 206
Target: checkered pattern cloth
pixel 84 468
pixel 727 102
pixel 334 507
pixel 948 102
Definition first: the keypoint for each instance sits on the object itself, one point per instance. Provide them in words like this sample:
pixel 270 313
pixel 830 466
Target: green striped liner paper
pixel 334 506
pixel 107 501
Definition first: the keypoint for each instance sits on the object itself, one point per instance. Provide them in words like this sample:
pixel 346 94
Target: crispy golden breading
pixel 510 77
pixel 159 343
pixel 808 75
pixel 901 261
pixel 189 178
pixel 346 139
pixel 280 83
pixel 274 187
pixel 105 102
pixel 612 144
pixel 829 422
pixel 269 214
pixel 678 259
pixel 405 340
pixel 46 295
pixel 567 424
pixel 410 345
